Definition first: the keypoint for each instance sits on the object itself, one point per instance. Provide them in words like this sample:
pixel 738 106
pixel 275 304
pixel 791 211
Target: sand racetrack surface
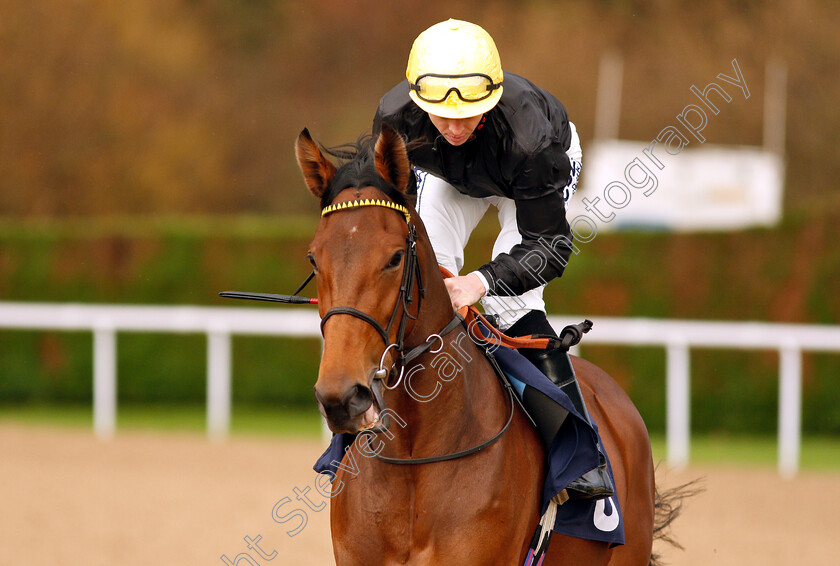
pixel 144 498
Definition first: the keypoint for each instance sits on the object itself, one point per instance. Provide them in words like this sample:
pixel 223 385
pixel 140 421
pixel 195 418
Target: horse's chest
pixel 416 518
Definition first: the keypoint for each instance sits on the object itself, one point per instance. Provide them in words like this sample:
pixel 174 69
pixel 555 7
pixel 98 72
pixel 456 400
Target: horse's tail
pixel 667 507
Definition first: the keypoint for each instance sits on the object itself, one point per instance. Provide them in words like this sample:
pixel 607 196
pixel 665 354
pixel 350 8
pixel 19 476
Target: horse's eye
pixel 311 259
pixel 396 259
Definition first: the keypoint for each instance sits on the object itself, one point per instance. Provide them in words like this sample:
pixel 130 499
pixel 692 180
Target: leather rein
pixel 411 275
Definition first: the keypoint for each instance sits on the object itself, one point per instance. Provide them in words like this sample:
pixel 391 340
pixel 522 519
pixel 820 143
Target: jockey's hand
pixel 464 290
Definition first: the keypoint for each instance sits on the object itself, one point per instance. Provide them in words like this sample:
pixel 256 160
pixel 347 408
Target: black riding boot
pixel 557 366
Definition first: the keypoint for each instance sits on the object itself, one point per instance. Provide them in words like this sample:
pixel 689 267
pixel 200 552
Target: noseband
pixel 411 274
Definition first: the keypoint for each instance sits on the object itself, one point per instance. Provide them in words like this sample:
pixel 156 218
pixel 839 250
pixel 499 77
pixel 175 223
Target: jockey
pixel 479 137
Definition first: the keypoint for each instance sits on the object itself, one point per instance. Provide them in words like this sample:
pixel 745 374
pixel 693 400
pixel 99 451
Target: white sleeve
pixel 575 154
pixel 574 151
pixel 483 280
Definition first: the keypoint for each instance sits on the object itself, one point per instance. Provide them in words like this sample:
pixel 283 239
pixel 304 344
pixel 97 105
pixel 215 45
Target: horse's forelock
pixel 358 171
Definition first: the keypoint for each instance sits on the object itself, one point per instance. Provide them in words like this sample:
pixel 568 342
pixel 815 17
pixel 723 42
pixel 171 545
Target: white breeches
pixel 450 217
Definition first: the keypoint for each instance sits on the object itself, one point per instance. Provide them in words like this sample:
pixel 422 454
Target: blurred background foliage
pixel 146 157
pixel 191 106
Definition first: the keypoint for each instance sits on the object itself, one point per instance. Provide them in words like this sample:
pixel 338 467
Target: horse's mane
pixel 357 169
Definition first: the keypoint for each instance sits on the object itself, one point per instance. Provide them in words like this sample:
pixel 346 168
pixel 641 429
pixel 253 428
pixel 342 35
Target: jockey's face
pixel 456 131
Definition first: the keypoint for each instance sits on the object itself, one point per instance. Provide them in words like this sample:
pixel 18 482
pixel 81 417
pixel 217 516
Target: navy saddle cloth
pixel 573 453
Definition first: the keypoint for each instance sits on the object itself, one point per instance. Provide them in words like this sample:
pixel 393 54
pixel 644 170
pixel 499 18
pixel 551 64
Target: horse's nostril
pixel 357 400
pixel 339 407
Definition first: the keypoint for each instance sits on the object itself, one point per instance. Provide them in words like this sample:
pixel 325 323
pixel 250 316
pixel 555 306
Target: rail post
pixel 790 409
pixel 218 380
pixel 104 378
pixel 678 406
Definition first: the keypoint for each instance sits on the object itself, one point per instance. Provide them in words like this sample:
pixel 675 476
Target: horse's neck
pixel 450 398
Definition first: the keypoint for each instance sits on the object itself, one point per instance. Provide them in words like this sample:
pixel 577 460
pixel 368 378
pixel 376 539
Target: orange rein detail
pixel 470 313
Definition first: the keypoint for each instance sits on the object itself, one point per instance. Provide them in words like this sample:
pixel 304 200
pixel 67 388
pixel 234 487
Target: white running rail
pixel 220 323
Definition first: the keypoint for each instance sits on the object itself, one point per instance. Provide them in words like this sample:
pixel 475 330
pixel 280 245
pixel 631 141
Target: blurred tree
pixel 191 106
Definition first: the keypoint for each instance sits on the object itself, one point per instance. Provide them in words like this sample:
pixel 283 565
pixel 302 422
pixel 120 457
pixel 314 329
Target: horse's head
pixel 364 253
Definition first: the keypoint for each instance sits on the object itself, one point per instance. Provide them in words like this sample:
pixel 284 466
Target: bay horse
pixel 385 313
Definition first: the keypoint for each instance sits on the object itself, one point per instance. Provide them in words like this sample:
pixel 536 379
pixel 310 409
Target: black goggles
pixel 471 87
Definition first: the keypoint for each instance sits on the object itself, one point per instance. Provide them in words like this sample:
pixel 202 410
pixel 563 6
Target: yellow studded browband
pixel 367 202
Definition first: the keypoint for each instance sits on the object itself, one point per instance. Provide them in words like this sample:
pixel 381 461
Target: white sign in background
pixel 704 188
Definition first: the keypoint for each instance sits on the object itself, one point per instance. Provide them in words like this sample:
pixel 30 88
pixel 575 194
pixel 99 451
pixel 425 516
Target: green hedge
pixel 788 274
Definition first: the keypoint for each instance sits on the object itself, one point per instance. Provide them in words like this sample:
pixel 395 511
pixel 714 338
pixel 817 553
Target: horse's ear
pixel 391 158
pixel 317 170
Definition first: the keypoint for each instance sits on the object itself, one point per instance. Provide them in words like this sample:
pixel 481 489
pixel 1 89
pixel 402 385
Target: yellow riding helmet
pixel 454 70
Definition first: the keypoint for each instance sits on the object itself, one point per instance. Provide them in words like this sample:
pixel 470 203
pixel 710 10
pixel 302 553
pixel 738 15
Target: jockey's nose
pixel 457 127
pixel 343 407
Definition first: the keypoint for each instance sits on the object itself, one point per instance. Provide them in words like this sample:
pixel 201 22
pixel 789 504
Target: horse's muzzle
pixel 355 410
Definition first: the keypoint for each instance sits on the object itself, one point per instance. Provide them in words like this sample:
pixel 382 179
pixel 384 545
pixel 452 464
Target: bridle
pixel 411 274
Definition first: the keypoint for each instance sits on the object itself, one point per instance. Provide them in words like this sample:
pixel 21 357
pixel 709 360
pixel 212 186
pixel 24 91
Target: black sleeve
pixel 392 109
pixel 541 217
pixel 542 255
pixel 377 122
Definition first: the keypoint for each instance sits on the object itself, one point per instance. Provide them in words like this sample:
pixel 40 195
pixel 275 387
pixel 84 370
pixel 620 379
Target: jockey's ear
pixel 391 158
pixel 317 170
